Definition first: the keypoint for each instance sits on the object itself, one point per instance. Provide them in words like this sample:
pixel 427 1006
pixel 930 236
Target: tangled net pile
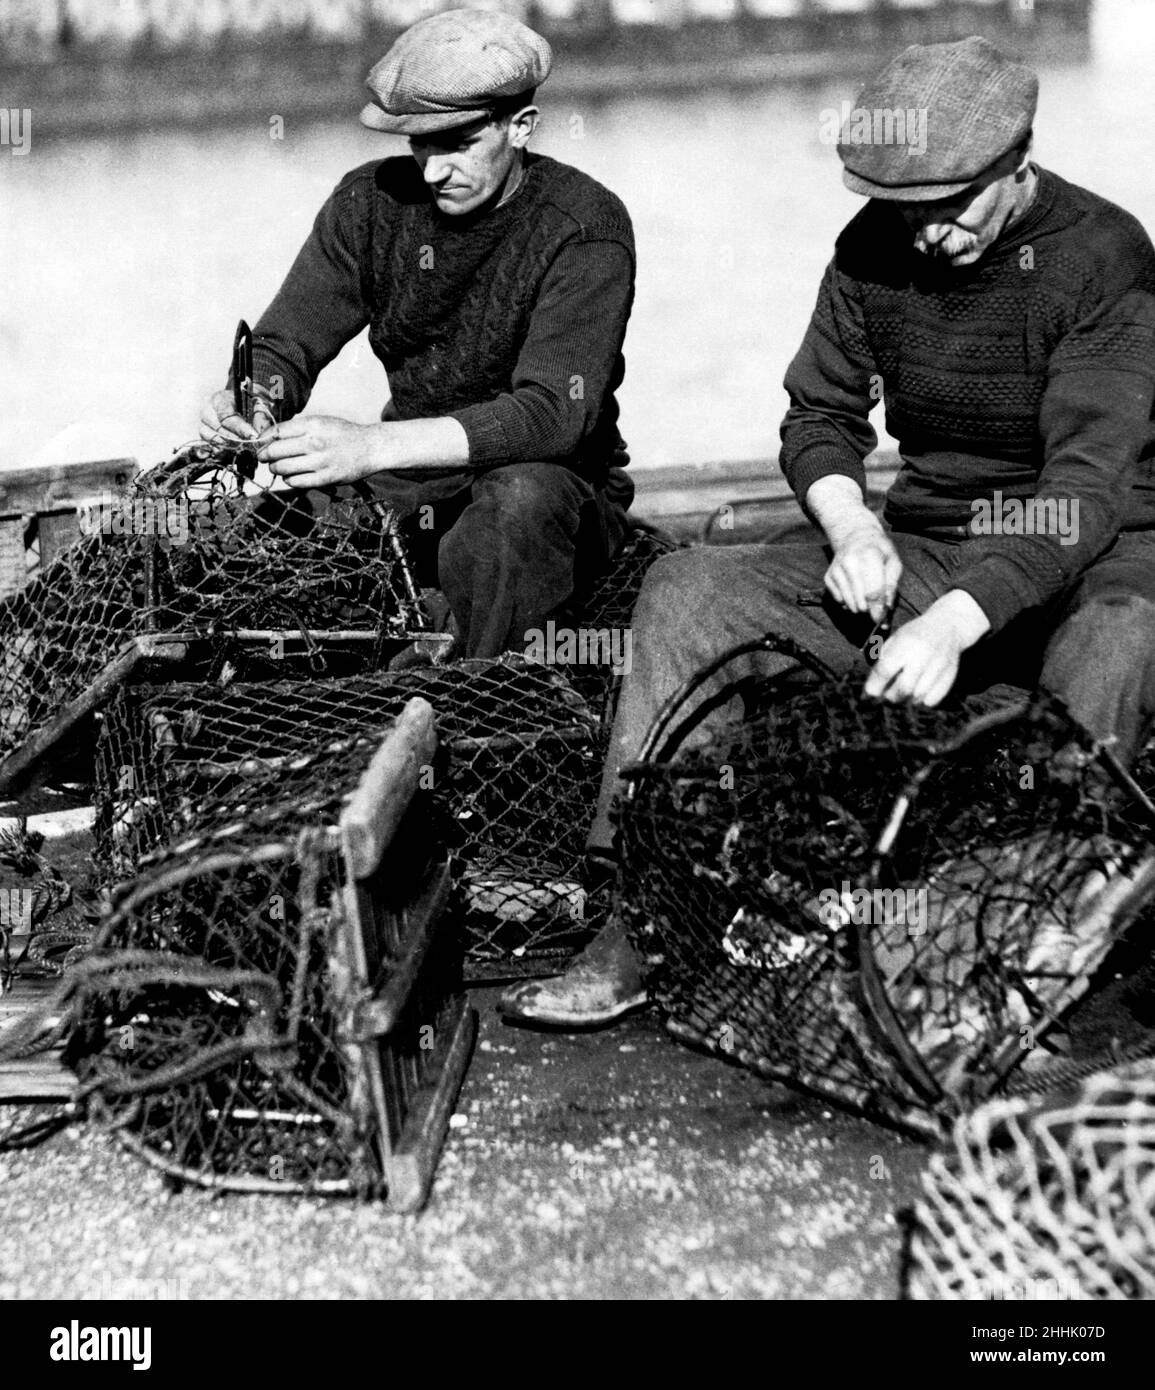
pixel 1043 1200
pixel 883 904
pixel 200 567
pixel 524 755
pixel 213 1022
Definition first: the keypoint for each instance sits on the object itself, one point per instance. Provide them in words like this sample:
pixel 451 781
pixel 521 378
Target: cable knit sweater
pixel 1031 373
pixel 511 321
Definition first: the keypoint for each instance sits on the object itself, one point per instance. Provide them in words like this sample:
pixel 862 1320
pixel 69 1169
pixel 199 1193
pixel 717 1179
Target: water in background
pixel 125 262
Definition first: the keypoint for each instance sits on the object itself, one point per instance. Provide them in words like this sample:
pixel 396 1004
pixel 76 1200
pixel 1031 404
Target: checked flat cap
pixel 934 119
pixel 449 69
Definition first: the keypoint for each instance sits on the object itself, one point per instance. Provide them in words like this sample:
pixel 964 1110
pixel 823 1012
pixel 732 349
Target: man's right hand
pixel 864 574
pixel 220 421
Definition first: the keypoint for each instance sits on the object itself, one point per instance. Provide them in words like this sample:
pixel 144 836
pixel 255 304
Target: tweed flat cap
pixel 449 69
pixel 934 119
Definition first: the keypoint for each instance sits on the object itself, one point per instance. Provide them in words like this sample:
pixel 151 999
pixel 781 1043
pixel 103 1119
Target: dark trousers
pixel 511 546
pixel 1095 648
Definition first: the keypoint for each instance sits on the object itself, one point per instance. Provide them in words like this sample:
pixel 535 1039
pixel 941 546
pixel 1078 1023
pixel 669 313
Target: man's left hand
pixel 920 662
pixel 324 451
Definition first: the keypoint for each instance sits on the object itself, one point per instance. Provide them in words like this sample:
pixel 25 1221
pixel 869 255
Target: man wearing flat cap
pixel 1006 319
pixel 496 285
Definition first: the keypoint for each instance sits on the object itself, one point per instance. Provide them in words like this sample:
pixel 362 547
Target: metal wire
pixel 198 565
pixel 523 754
pixel 883 904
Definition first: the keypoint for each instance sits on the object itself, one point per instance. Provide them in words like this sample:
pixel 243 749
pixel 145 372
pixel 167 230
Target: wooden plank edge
pixel 386 788
pixel 378 1017
pixel 410 1169
pixel 18 766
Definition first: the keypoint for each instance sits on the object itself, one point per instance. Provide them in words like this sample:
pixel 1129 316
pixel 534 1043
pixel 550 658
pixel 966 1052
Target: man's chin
pixel 458 207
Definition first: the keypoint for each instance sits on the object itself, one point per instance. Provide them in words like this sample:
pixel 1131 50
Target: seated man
pixel 1007 318
pixel 496 286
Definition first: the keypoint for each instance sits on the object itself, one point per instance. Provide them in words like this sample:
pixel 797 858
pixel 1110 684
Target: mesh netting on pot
pixel 523 756
pixel 887 905
pixel 1043 1199
pixel 257 1012
pixel 607 610
pixel 195 568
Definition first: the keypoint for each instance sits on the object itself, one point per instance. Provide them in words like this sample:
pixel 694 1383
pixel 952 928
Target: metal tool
pixel 244 394
pixel 816 598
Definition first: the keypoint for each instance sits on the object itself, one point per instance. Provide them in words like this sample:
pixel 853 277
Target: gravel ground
pixel 609 1165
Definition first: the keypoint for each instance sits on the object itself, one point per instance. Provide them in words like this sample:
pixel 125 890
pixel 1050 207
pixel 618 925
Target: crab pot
pixel 608 609
pixel 516 789
pixel 274 1004
pixel 886 906
pixel 1043 1198
pixel 196 573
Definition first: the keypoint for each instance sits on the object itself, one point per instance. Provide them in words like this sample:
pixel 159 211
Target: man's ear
pixel 1024 158
pixel 522 124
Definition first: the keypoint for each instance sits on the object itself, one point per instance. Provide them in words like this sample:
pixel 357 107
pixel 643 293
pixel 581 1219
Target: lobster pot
pixel 273 1005
pixel 194 571
pixel 516 788
pixel 1043 1199
pixel 606 613
pixel 884 905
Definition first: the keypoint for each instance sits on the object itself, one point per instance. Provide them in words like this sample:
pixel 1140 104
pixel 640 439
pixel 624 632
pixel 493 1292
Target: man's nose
pixel 934 232
pixel 436 169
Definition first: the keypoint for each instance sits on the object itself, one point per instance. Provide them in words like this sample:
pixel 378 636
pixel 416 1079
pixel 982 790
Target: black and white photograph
pixel 577 663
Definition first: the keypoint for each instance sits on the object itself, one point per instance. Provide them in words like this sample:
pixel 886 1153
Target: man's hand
pixel 864 574
pixel 220 422
pixel 325 451
pixel 920 662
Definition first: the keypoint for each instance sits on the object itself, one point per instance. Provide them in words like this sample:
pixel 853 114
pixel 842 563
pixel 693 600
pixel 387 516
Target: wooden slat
pixel 376 807
pixel 13 565
pixel 63 486
pixel 15 769
pixel 58 530
pixel 409 1172
pixel 378 1016
pixel 43 1075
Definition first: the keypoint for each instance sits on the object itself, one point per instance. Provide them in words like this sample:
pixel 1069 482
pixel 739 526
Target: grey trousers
pixel 1095 648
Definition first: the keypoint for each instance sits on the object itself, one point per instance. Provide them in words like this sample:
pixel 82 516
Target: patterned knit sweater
pixel 1031 373
pixel 510 321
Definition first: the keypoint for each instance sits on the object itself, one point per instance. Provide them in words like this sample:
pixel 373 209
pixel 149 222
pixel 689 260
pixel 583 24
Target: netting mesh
pixel 884 904
pixel 523 750
pixel 215 1016
pixel 197 565
pixel 1041 1200
pixel 609 607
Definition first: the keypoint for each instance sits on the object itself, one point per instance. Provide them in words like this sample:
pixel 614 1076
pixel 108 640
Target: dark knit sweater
pixel 510 321
pixel 1031 373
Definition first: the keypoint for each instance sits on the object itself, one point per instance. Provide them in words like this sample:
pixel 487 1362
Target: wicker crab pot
pixel 887 906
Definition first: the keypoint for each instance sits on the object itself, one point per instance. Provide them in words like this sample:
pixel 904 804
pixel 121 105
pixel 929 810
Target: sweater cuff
pixel 819 462
pixel 1000 589
pixel 482 426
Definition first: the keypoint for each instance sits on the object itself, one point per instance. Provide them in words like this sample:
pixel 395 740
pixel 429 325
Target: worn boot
pixel 600 985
